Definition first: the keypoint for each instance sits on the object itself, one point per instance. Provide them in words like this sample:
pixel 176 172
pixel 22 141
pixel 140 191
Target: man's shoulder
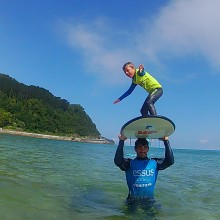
pixel 158 160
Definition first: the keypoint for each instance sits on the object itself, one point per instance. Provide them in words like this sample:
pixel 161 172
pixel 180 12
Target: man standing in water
pixel 141 172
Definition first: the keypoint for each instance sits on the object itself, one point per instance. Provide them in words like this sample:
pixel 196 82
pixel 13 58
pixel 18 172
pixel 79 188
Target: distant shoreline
pixel 55 137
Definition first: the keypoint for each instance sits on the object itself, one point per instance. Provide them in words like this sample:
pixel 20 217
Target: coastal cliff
pixel 35 110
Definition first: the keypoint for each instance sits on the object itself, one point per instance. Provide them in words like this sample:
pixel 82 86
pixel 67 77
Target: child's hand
pixel 116 101
pixel 141 67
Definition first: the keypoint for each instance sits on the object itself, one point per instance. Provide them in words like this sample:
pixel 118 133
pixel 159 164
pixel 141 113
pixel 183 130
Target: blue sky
pixel 76 48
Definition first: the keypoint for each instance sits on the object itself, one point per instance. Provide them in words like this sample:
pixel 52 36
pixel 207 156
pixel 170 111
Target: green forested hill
pixel 35 109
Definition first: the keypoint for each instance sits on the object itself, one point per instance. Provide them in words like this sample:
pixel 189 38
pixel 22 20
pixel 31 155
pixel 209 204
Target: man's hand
pixel 164 138
pixel 122 137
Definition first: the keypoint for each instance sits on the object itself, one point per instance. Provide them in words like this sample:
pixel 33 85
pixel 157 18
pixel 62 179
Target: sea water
pixel 50 179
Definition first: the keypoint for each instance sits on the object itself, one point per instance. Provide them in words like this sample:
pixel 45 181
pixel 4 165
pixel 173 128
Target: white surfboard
pixel 152 127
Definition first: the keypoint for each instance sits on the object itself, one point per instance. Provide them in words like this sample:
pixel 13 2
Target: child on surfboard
pixel 145 80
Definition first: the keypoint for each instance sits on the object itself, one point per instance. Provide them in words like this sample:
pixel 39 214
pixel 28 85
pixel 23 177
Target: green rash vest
pixel 148 82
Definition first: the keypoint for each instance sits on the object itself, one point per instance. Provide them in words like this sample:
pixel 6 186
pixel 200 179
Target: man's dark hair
pixel 141 141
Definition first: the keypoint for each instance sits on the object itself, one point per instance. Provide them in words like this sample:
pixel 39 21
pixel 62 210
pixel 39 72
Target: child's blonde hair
pixel 127 64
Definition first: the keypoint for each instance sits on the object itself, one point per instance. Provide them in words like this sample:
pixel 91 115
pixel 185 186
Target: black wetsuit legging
pixel 148 105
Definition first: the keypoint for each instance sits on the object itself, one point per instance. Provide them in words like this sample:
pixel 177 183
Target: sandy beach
pixel 54 137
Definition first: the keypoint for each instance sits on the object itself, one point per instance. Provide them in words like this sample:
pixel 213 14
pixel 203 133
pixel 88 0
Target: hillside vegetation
pixel 35 109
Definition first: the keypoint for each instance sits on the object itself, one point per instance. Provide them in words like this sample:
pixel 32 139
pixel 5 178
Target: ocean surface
pixel 47 179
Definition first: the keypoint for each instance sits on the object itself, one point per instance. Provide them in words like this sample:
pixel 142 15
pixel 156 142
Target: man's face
pixel 129 71
pixel 141 151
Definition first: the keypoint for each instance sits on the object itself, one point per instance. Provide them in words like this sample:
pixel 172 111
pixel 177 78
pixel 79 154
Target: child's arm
pixel 127 93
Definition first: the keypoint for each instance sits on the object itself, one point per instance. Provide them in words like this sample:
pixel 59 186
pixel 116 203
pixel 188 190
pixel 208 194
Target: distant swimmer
pixel 149 83
pixel 141 172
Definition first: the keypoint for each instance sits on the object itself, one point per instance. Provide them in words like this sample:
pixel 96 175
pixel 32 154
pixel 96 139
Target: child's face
pixel 129 71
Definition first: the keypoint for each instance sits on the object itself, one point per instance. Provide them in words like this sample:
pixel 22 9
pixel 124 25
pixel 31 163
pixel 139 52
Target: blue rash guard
pixel 141 178
pixel 141 173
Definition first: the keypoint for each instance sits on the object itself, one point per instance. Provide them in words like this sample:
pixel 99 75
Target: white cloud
pixel 181 28
pixel 203 141
pixel 186 27
pixel 95 43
